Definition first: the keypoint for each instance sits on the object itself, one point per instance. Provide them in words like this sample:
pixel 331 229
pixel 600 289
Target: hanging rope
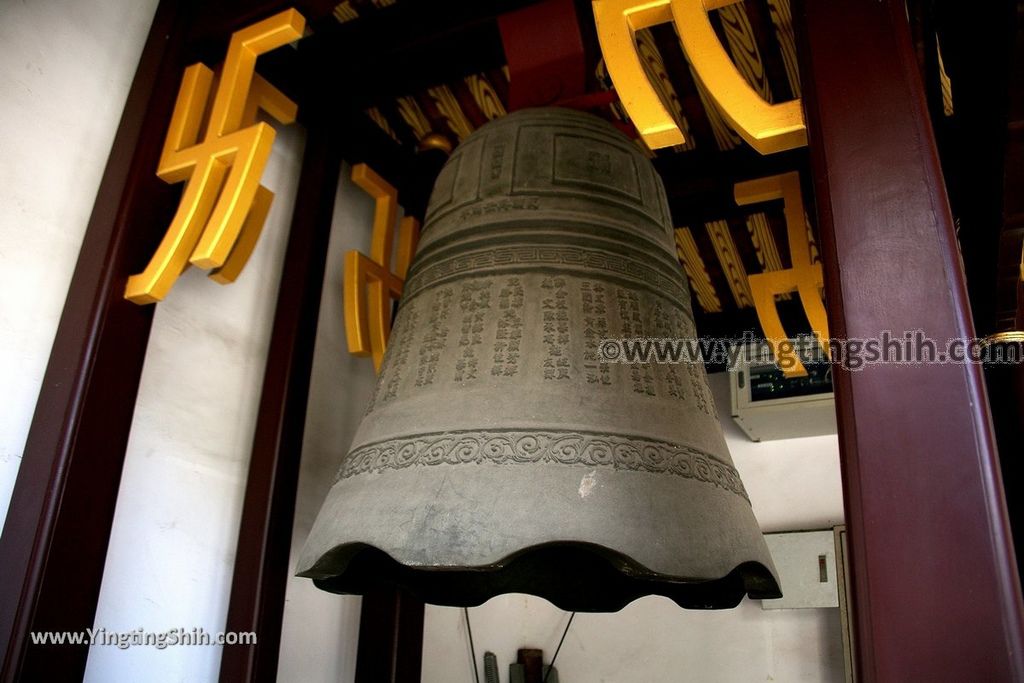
pixel 472 648
pixel 551 666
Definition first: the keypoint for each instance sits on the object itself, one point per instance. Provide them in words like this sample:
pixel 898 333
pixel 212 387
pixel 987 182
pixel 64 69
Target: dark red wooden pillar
pixel 390 638
pixel 54 541
pixel 935 587
pixel 261 561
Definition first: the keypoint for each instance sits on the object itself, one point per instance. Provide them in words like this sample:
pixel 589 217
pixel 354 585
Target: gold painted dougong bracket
pixel 370 284
pixel 804 277
pixel 223 206
pixel 766 127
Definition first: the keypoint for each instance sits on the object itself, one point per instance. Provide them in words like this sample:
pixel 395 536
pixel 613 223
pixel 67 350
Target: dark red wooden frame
pixel 934 598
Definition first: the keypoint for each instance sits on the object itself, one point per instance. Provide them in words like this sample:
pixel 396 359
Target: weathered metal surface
pixel 498 454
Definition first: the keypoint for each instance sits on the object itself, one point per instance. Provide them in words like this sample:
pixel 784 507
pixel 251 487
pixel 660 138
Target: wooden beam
pixel 400 50
pixel 54 542
pixel 935 593
pixel 699 184
pixel 210 31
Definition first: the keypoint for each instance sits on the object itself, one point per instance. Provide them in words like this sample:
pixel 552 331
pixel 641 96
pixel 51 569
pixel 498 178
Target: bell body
pixel 498 453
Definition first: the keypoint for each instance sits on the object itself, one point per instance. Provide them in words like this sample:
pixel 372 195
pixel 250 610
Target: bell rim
pixel 356 568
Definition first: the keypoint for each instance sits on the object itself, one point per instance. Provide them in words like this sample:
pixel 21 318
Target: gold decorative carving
pixel 654 66
pixel 370 283
pixel 732 265
pixel 696 271
pixel 765 127
pixel 378 118
pixel 739 35
pixel 344 12
pixel 411 113
pixel 803 277
pixel 764 244
pixel 782 18
pixel 223 206
pixel 448 105
pixel 485 96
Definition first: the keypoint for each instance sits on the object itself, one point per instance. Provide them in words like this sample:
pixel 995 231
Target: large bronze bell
pixel 498 453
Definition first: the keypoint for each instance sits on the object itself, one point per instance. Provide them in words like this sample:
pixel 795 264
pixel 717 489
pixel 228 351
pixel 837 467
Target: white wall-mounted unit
pixel 806 565
pixel 767 405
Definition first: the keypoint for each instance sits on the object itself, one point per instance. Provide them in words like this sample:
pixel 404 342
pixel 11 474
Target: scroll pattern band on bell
pixel 628 453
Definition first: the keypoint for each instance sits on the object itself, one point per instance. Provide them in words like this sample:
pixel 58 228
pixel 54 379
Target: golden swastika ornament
pixel 223 205
pixel 804 277
pixel 370 284
pixel 766 127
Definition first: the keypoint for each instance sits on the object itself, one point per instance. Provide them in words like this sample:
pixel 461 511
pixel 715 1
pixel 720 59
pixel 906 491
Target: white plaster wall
pixel 651 640
pixel 793 484
pixel 65 70
pixel 175 528
pixel 320 630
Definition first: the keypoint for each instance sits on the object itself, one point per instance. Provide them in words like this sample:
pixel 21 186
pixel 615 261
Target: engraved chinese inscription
pixel 555 323
pixel 509 335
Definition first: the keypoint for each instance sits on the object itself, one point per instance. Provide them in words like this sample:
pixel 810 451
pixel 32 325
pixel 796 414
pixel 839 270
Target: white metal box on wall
pixel 766 405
